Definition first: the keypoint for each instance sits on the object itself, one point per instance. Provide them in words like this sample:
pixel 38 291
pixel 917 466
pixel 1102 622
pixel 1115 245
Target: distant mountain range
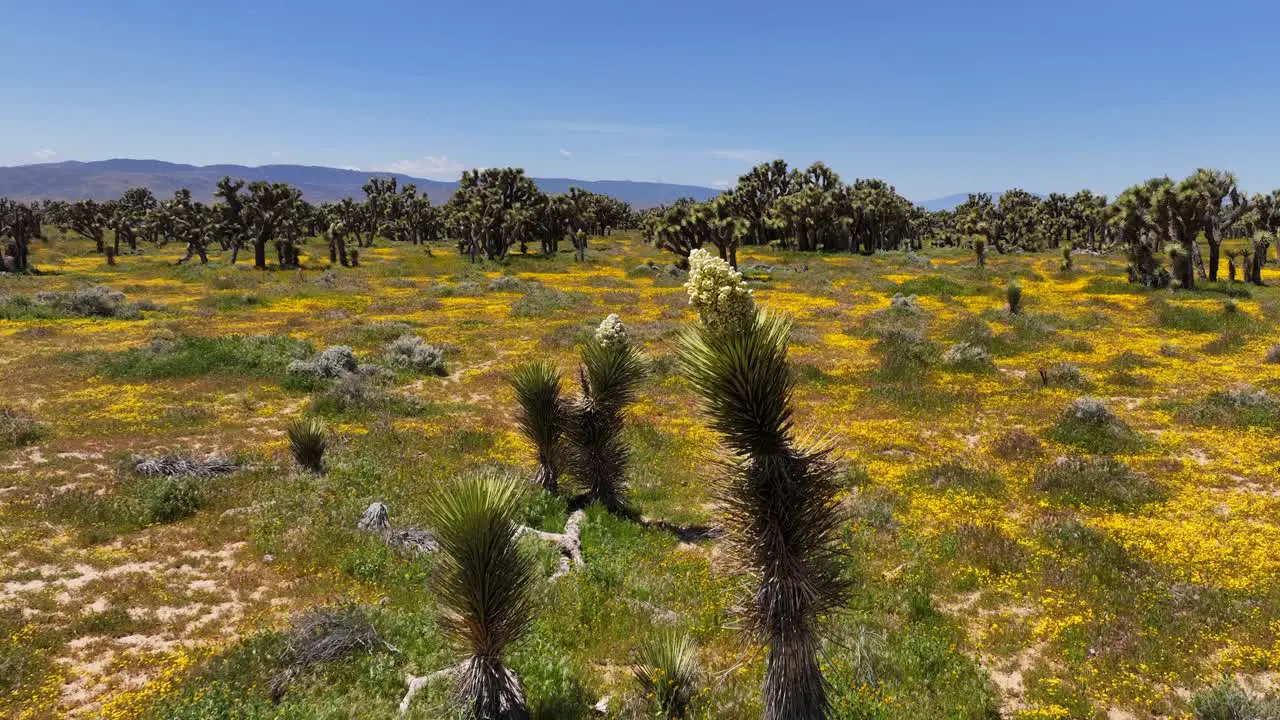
pixel 108 179
pixel 951 201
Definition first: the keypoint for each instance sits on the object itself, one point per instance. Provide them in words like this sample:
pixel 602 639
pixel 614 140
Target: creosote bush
pixel 330 363
pixel 307 443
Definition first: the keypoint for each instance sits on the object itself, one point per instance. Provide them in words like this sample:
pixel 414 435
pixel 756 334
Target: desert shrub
pixel 1124 378
pixel 1130 360
pixel 541 301
pixel 185 356
pixel 507 283
pixel 1013 298
pixel 1077 345
pixel 17 428
pixel 904 354
pixel 330 363
pixel 1273 354
pixel 95 301
pixel 667 671
pixel 1227 341
pixel 350 393
pixel 873 506
pixel 964 357
pixel 1017 444
pixel 1193 318
pixel 1062 375
pixel 987 547
pixel 1228 701
pixel 957 475
pixel 936 285
pixel 1171 350
pixel 1032 327
pixel 307 443
pixel 376 332
pixel 1096 481
pixel 412 352
pixel 905 305
pixel 1238 406
pixel 157 499
pixel 975 331
pixel 1088 423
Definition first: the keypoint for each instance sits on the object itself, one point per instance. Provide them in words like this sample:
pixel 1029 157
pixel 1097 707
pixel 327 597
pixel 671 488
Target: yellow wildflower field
pixel 1002 561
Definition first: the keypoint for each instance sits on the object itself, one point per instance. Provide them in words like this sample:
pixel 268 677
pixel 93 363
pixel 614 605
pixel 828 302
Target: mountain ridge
pixel 108 179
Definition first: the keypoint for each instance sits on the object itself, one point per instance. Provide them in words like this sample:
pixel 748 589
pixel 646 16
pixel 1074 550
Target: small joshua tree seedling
pixel 541 417
pixel 1013 293
pixel 1066 257
pixel 307 443
pixel 668 673
pixel 485 590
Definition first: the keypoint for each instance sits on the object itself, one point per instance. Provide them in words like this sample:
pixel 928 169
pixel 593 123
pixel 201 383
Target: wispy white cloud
pixel 276 153
pixel 435 167
pixel 588 127
pixel 565 153
pixel 44 154
pixel 744 155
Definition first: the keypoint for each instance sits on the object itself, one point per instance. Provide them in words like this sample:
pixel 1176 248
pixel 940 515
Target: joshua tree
pixel 88 219
pixel 129 219
pixel 597 455
pixel 19 224
pixel 980 252
pixel 1066 257
pixel 485 589
pixel 779 496
pixel 307 443
pixel 1222 204
pixel 541 417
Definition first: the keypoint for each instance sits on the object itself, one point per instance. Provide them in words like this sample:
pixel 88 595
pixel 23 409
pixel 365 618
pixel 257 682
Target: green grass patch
pixel 188 356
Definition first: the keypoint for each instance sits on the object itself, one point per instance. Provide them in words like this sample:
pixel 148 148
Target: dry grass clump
pixel 322 636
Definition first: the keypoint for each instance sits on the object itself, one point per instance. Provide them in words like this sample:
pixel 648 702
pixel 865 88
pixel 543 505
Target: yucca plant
pixel 668 673
pixel 778 495
pixel 1013 293
pixel 1066 257
pixel 541 417
pixel 610 375
pixel 485 587
pixel 307 442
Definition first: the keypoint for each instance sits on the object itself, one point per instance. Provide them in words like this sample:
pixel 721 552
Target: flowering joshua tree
pixel 778 494
pixel 596 453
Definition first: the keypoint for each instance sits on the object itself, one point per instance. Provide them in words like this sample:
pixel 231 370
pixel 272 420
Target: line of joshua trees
pixel 501 210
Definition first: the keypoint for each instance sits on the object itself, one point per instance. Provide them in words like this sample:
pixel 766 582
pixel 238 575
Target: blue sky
pixel 935 97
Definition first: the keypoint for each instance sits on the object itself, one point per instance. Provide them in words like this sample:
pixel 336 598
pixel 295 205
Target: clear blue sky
pixel 936 97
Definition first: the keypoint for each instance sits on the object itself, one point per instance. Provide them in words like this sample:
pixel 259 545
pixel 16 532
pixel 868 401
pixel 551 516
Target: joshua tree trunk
pixel 260 253
pixel 794 688
pixel 1197 260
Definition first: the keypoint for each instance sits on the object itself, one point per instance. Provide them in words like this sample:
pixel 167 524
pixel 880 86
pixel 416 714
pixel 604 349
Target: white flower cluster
pixel 717 293
pixel 612 331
